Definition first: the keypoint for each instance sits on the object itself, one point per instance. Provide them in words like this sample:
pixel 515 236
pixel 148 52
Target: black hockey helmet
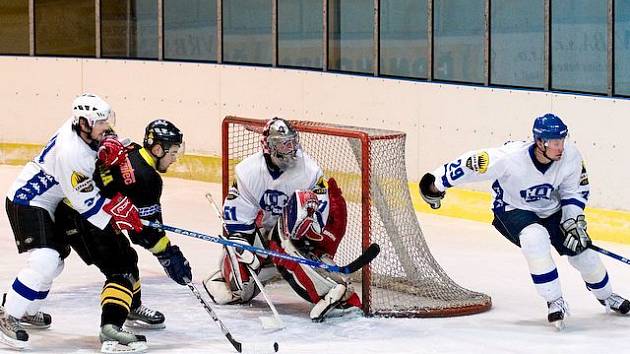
pixel 163 132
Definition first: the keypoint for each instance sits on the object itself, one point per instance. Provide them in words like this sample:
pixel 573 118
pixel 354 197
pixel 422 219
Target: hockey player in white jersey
pixel 262 188
pixel 63 169
pixel 540 189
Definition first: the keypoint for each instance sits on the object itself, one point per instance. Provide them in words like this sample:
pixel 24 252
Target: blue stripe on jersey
pixel 47 148
pixel 150 210
pixel 240 227
pixel 572 201
pixel 599 285
pixel 37 185
pixel 498 206
pixel 95 209
pixel 27 292
pixel 545 278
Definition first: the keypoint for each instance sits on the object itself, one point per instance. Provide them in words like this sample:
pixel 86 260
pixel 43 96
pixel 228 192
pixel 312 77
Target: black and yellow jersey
pixel 138 179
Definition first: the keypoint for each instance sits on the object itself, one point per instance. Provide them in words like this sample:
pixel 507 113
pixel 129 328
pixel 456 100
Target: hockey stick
pixel 609 254
pixel 274 322
pixel 226 332
pixel 366 257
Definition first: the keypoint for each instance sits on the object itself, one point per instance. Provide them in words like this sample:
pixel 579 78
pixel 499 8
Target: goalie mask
pixel 302 218
pixel 281 142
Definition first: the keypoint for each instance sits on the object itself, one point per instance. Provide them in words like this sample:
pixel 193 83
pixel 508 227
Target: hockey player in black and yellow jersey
pixel 132 171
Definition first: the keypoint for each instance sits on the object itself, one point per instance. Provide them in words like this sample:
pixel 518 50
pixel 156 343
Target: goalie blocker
pixel 300 232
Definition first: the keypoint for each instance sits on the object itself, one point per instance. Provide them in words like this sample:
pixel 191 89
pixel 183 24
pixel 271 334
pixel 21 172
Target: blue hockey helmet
pixel 548 127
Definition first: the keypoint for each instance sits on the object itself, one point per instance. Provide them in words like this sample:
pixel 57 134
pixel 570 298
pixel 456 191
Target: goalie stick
pixel 226 332
pixel 365 258
pixel 274 322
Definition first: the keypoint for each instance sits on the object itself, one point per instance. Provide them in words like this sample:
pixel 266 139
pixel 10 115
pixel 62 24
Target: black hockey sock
pixel 115 302
pixel 136 300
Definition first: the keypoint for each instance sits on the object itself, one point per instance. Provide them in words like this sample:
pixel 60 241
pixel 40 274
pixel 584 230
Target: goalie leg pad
pixel 310 284
pixel 227 286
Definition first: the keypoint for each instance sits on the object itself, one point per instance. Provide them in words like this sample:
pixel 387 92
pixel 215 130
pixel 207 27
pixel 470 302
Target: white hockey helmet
pixel 281 142
pixel 93 109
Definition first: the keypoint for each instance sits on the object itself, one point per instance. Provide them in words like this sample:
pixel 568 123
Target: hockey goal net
pixel 369 166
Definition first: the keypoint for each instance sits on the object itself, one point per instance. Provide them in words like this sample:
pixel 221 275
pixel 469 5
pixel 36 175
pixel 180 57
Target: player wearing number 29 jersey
pixel 519 182
pixel 540 189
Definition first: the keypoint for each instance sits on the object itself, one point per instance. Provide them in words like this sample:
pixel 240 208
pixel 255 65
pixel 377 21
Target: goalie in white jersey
pixel 63 169
pixel 540 189
pixel 263 186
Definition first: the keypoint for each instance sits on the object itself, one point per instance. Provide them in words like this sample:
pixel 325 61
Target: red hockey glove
pixel 124 214
pixel 111 152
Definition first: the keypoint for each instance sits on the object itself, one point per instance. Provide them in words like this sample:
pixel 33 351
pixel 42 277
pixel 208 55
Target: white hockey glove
pixel 576 238
pixel 427 191
pixel 244 256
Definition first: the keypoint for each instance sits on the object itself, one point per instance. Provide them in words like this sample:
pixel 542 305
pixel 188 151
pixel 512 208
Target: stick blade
pixel 364 259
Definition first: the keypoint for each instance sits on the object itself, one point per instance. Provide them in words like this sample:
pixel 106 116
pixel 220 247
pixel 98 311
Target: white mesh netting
pixel 369 166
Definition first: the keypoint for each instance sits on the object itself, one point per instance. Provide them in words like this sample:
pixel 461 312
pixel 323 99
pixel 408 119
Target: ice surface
pixel 473 253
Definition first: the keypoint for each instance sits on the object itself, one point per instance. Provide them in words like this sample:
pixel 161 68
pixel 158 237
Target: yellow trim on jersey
pixel 160 246
pixel 146 155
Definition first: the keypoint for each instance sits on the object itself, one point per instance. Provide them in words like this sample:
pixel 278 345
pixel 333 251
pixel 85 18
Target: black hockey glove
pixel 432 198
pixel 175 265
pixel 575 236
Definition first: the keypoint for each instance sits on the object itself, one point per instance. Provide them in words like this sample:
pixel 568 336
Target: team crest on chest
pixel 273 201
pixel 538 192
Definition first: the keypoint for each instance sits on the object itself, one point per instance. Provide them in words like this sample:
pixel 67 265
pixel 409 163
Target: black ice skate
pixel 11 332
pixel 616 303
pixel 144 317
pixel 558 310
pixel 118 340
pixel 40 320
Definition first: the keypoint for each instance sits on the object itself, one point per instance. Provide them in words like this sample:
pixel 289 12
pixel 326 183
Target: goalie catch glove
pixel 575 236
pixel 429 193
pixel 242 255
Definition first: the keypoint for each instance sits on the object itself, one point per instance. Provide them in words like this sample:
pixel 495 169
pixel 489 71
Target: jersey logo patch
pixel 273 201
pixel 536 193
pixel 127 173
pixel 81 183
pixel 478 162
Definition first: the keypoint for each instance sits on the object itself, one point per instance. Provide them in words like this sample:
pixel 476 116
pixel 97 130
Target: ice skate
pixel 558 310
pixel 616 303
pixel 118 340
pixel 40 320
pixel 144 317
pixel 11 332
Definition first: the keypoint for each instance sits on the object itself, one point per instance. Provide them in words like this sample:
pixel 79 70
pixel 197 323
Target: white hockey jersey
pixel 520 182
pixel 63 169
pixel 257 189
